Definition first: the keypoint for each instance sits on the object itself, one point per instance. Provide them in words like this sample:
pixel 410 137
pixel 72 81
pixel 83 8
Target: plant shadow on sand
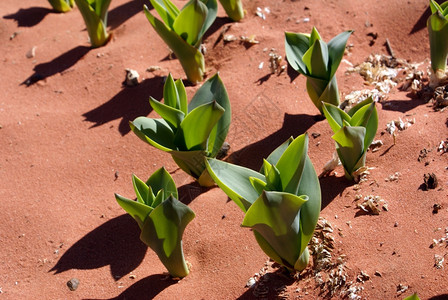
pixel 122 13
pixel 146 288
pixel 57 65
pixel 252 155
pixel 29 17
pixel 115 243
pixel 128 104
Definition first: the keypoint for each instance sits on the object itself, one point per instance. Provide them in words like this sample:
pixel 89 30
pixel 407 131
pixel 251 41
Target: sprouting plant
pixel 182 30
pixel 412 297
pixel 161 218
pixel 94 13
pixel 353 132
pixel 189 132
pixel 62 5
pixel 281 202
pixel 318 61
pixel 438 40
pixel 234 9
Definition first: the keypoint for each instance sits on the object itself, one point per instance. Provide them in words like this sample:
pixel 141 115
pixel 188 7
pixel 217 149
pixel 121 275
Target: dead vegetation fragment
pixel 371 204
pixel 430 181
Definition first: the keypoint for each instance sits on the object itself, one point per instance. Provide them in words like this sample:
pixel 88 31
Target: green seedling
pixel 62 5
pixel 188 132
pixel 318 61
pixel 182 30
pixel 94 13
pixel 281 202
pixel 234 9
pixel 353 132
pixel 438 40
pixel 161 218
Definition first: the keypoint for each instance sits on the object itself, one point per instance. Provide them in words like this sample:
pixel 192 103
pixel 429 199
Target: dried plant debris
pixel 131 77
pixel 361 174
pixel 276 62
pixel 362 277
pixel 262 12
pixel 329 272
pixel 441 97
pixel 423 154
pixel 393 177
pixel 330 165
pixel 443 146
pixel 438 261
pixel 401 288
pixel 375 145
pixel 372 204
pixel 443 241
pixel 430 181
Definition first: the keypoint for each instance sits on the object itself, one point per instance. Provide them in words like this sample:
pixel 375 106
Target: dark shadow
pixel 439 297
pixel 273 282
pixel 122 13
pixel 217 24
pixel 252 155
pixel 292 74
pixel 387 150
pixel 146 288
pixel 57 65
pixel 334 186
pixel 190 191
pixel 421 22
pixel 115 243
pixel 402 106
pixel 128 104
pixel 29 17
pixel 263 79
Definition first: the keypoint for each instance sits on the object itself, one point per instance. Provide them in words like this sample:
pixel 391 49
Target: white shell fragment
pixel 131 77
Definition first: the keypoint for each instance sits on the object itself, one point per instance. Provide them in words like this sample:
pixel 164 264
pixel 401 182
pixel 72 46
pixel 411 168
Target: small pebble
pixel 73 284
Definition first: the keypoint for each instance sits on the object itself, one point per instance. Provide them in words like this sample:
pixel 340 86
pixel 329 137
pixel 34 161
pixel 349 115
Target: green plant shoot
pixel 161 218
pixel 412 297
pixel 353 132
pixel 62 5
pixel 189 132
pixel 234 9
pixel 438 40
pixel 94 13
pixel 281 202
pixel 318 61
pixel 182 30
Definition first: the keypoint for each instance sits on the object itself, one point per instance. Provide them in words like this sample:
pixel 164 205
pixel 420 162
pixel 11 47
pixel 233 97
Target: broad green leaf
pixel 316 60
pixel 358 106
pixel 171 8
pixel 309 213
pixel 335 116
pixel 61 5
pixel 258 184
pixel 350 141
pixel 269 251
pixel 296 44
pixel 164 13
pixel 234 181
pixel 367 117
pixel 303 260
pixel 322 91
pixel 155 132
pixel 273 177
pixel 96 26
pixel 291 163
pixel 142 191
pixel 275 216
pixel 212 10
pixel 162 232
pixel 189 22
pixel 434 6
pixel 101 8
pixel 172 116
pixel 277 153
pixel 170 94
pixel 214 90
pixel 198 124
pixel 314 36
pixel 183 101
pixel 412 297
pixel 438 32
pixel 162 180
pixel 234 9
pixel 137 210
pixel 160 197
pixel 191 59
pixel 192 162
pixel 336 49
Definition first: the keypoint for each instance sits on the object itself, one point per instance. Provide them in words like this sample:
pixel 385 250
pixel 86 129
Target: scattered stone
pixel 376 145
pixel 396 224
pixel 131 77
pixel 401 288
pixel 423 154
pixel 430 181
pixel 435 208
pixel 438 261
pixel 73 284
pixel 443 146
pixel 153 69
pixel 16 33
pixel 31 53
pixel 362 277
pixel 377 273
pixel 393 177
pixel 315 135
